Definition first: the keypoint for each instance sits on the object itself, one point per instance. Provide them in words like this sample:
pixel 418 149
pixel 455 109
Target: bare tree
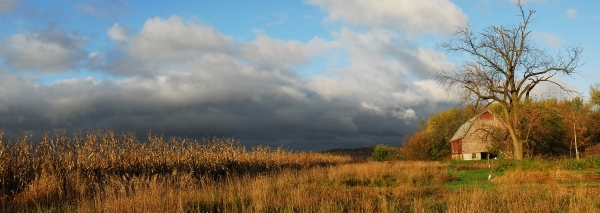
pixel 504 67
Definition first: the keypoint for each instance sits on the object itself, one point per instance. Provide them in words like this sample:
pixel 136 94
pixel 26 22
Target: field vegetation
pixel 104 172
pixel 63 171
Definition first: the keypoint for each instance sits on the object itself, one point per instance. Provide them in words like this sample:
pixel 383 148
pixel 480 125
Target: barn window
pixel 474 156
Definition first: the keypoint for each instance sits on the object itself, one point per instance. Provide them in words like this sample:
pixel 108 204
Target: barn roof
pixel 463 129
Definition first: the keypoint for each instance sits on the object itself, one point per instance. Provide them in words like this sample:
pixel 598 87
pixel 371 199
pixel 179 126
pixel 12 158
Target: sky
pixel 303 75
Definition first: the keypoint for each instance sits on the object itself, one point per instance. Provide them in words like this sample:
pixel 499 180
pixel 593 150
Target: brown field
pixel 104 172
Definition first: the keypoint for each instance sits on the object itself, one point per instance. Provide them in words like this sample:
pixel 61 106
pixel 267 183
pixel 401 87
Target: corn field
pixel 63 169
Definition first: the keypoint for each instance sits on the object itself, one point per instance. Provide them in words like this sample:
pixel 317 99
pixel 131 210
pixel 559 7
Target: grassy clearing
pixel 103 172
pixel 471 174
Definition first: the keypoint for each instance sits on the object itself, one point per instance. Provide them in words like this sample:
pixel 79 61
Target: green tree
pixel 432 141
pixel 442 126
pixel 381 153
pixel 595 95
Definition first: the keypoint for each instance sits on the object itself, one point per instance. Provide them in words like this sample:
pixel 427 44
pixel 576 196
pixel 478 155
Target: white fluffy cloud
pixel 265 50
pixel 117 33
pixel 413 16
pixel 173 40
pixel 49 51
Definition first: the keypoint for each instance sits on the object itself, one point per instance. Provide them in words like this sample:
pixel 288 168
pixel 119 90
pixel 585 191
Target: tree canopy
pixel 550 127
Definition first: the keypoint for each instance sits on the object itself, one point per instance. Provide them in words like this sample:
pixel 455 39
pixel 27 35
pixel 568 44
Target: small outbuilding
pixel 472 140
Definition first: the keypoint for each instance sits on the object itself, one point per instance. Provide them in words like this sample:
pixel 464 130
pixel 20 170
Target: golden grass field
pixel 104 172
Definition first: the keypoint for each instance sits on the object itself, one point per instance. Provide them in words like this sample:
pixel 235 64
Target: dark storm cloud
pixel 252 113
pixel 177 86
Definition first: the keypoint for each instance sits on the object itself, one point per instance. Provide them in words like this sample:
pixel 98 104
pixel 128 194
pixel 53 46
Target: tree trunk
pixel 516 143
pixel 518 150
pixel 575 137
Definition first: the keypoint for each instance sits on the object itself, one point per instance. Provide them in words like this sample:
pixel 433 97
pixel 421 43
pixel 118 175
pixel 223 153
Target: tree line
pixel 550 127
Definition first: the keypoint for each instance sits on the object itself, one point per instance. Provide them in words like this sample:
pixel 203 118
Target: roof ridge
pixel 465 127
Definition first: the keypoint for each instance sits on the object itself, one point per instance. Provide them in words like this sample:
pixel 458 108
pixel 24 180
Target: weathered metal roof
pixel 462 130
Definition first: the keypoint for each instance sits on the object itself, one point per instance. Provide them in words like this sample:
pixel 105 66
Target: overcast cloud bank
pixel 181 77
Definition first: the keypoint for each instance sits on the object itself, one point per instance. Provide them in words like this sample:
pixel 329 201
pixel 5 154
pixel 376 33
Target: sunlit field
pixel 106 172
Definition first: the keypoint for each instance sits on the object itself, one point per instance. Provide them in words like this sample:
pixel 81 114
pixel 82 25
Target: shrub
pixel 416 147
pixel 381 153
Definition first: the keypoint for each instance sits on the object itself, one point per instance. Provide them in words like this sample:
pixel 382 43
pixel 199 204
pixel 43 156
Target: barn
pixel 472 139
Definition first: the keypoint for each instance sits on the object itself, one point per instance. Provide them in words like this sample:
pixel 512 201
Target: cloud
pixel 387 78
pixel 47 51
pixel 549 89
pixel 413 16
pixel 266 51
pixel 187 79
pixel 219 95
pixel 434 92
pixel 104 8
pixel 8 5
pixel 571 13
pixel 172 40
pixel 175 42
pixel 372 107
pixel 380 69
pixel 117 33
pixel 120 63
pixel 278 51
pixel 408 114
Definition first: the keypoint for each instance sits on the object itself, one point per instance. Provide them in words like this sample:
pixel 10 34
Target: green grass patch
pixel 471 178
pixel 591 171
pixel 475 174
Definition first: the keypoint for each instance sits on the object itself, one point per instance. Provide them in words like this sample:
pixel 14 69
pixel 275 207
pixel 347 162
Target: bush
pixel 381 153
pixel 415 147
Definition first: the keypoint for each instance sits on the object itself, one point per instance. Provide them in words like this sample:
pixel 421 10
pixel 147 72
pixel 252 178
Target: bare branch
pixel 505 67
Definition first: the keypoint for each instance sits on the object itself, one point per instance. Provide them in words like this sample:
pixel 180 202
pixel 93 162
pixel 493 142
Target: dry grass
pixel 101 172
pixel 364 187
